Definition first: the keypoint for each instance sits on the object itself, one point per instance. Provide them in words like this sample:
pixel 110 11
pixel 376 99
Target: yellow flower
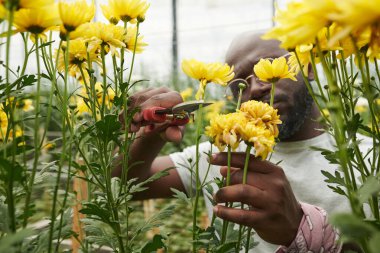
pixel 130 40
pixel 3 12
pixel 32 4
pixel 77 58
pixel 109 15
pixel 207 72
pixel 268 71
pixel 262 114
pixel 49 146
pixel 261 138
pixel 186 94
pixel 109 97
pixel 37 21
pixel 97 34
pixel 303 53
pixel 128 10
pixel 214 109
pixel 301 21
pixel 26 105
pixel 224 130
pixel 75 14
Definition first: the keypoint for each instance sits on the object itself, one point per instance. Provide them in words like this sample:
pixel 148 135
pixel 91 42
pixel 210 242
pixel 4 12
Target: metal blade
pixel 189 106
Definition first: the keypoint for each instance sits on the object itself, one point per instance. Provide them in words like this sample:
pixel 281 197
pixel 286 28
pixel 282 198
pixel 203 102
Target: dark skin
pixel 275 214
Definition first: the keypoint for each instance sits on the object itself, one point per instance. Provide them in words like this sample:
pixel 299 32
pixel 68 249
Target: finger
pixel 249 218
pixel 243 193
pixel 143 95
pixel 258 180
pixel 172 134
pixel 165 100
pixel 238 159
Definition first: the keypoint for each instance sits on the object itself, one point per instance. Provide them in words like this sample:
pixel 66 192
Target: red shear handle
pixel 151 116
pixel 179 122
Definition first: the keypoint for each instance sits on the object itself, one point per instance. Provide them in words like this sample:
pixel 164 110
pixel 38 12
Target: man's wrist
pixel 314 233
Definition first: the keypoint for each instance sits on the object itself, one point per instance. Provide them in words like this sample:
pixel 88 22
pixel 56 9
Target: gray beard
pixel 296 118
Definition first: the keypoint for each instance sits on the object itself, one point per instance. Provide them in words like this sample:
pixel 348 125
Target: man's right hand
pixel 151 97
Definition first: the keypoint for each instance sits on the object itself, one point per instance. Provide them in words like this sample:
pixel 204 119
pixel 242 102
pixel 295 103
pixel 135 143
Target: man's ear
pixel 310 74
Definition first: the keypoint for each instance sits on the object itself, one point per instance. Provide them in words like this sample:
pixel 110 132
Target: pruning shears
pixel 177 115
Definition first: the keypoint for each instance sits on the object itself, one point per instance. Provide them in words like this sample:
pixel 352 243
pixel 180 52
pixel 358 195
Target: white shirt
pixel 301 165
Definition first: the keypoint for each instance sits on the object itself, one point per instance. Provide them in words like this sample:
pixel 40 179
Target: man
pixel 273 192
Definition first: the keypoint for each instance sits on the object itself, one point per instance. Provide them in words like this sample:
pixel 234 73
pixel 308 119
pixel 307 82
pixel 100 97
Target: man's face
pixel 291 98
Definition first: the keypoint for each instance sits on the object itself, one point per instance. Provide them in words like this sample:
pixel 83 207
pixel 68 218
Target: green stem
pixel 104 82
pixel 245 173
pixel 197 179
pixel 36 137
pixel 228 182
pixel 10 195
pixel 272 94
pixel 64 142
pixel 133 54
pixel 239 99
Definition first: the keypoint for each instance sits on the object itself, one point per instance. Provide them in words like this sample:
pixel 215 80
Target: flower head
pixel 301 21
pixel 77 58
pixel 268 71
pixel 127 10
pixel 207 72
pixel 130 40
pixel 224 129
pixel 76 13
pixel 34 3
pixel 99 34
pixel 261 138
pixel 37 21
pixel 263 115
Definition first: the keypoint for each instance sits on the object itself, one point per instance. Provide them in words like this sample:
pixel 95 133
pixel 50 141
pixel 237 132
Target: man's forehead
pixel 246 51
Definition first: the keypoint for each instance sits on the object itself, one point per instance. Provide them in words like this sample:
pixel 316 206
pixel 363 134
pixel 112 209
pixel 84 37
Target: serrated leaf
pixel 352 227
pixel 181 196
pixel 370 187
pixel 155 244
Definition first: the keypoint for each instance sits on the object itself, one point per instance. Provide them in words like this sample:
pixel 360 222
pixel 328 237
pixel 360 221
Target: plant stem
pixel 245 172
pixel 228 182
pixel 197 179
pixel 64 142
pixel 272 94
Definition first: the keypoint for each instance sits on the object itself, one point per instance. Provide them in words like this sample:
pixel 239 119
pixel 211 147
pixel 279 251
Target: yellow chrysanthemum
pixel 4 127
pixel 37 21
pixel 130 40
pixel 32 4
pixel 75 14
pixel 109 15
pixel 97 34
pixel 268 71
pixel 77 58
pixel 303 53
pixel 3 12
pixel 301 21
pixel 261 138
pixel 224 130
pixel 26 105
pixel 128 10
pixel 109 97
pixel 186 94
pixel 207 72
pixel 262 114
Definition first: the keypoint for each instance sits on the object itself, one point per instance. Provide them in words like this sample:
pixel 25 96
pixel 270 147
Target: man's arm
pixel 146 147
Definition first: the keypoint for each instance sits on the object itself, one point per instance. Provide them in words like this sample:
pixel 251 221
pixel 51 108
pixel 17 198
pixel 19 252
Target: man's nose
pixel 258 89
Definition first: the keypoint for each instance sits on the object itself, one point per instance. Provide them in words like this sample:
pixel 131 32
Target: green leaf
pixel 181 196
pixel 226 247
pixel 155 244
pixel 109 128
pixel 352 228
pixel 370 187
pixel 7 243
pixel 141 186
pixel 374 243
pixel 95 210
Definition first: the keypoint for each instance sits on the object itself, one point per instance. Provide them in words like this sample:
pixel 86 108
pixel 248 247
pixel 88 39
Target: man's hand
pixel 162 97
pixel 274 211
